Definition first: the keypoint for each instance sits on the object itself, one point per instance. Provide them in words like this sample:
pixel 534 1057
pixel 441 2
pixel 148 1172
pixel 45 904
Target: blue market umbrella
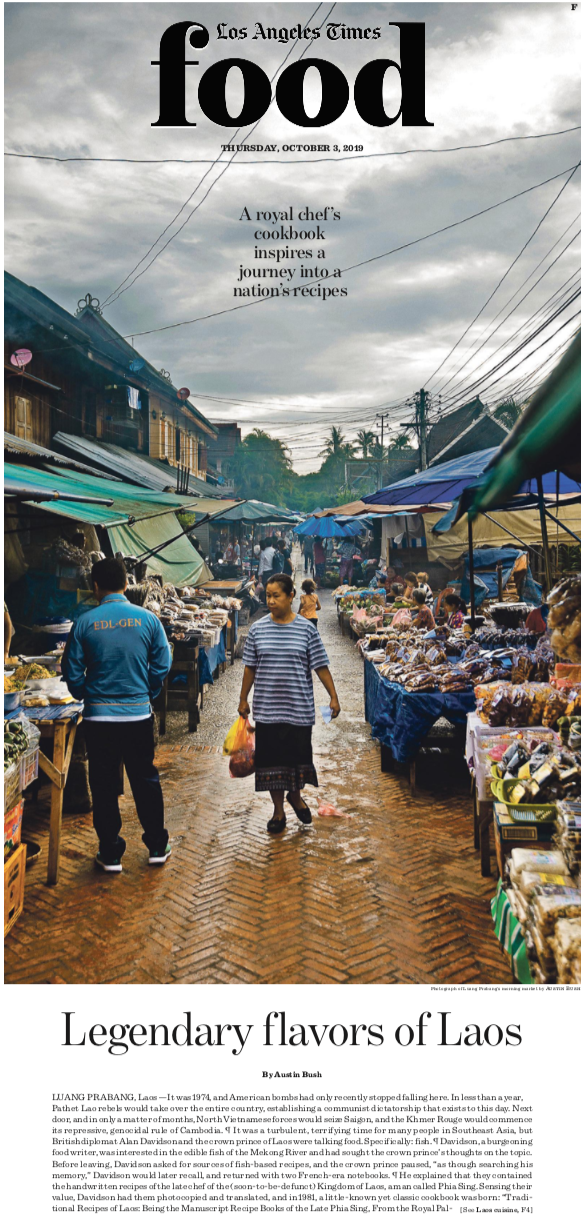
pixel 328 528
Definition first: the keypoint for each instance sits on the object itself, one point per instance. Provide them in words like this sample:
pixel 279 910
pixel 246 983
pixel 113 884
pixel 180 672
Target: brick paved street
pixel 392 894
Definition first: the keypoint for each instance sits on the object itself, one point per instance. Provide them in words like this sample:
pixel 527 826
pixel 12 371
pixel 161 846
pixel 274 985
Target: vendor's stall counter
pixel 59 724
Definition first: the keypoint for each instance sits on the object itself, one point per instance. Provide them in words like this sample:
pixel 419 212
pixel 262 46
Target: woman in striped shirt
pixel 280 654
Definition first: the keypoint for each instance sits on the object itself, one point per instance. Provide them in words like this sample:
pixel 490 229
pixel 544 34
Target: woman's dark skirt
pixel 282 756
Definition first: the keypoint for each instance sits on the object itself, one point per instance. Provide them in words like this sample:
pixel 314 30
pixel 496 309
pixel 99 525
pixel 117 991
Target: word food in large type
pixel 289 90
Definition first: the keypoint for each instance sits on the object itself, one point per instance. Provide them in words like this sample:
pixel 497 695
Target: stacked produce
pixel 546 901
pixel 420 663
pixel 13 685
pixel 32 670
pixel 61 551
pixel 184 612
pixel 15 742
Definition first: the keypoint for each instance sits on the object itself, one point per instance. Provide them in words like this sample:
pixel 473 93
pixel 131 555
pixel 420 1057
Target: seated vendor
pixel 396 592
pixel 536 620
pixel 456 609
pixel 422 614
pixel 423 584
pixel 411 582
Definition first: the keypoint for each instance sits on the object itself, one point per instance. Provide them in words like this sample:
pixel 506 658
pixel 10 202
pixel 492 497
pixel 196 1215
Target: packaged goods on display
pixel 545 898
pixel 523 750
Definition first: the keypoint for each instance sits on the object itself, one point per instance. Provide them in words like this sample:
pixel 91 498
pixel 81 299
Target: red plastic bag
pixel 327 811
pixel 242 760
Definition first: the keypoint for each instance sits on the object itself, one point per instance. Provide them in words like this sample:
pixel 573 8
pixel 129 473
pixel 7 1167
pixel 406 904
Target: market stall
pixel 21 763
pixel 526 763
pixel 39 709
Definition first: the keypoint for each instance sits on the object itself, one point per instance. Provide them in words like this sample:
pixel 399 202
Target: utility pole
pixel 419 426
pixel 382 416
pixel 421 413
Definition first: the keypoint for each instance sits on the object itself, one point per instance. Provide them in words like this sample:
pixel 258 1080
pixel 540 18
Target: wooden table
pixel 483 817
pixel 189 666
pixel 59 724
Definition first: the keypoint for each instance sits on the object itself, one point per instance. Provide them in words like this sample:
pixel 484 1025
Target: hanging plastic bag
pixel 236 737
pixel 242 761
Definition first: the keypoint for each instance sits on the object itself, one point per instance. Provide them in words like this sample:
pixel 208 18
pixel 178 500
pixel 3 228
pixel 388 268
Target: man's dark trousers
pixel 109 745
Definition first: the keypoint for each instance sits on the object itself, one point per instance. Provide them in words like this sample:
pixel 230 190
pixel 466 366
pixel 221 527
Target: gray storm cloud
pixel 79 82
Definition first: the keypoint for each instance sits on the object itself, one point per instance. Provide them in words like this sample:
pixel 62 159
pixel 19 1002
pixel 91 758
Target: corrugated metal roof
pixel 137 468
pixel 17 445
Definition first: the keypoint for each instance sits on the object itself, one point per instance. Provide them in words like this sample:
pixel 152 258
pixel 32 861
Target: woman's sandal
pixel 277 823
pixel 303 812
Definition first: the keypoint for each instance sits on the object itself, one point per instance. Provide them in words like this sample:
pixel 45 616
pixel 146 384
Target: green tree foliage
pixel 261 468
pixel 401 442
pixel 365 438
pixel 335 445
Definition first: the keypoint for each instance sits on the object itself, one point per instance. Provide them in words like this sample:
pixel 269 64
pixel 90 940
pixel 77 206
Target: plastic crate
pixel 11 785
pixel 522 813
pixel 13 828
pixel 29 766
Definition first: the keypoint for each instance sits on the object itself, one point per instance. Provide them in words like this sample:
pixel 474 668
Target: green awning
pixel 127 500
pixel 153 513
pixel 545 438
pixel 256 511
pixel 178 563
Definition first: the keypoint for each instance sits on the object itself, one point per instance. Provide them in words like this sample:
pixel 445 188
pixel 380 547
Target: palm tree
pixel 401 442
pixel 334 443
pixel 507 412
pixel 365 439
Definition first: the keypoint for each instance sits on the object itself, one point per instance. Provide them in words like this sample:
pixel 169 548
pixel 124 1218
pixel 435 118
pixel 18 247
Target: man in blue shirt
pixel 115 660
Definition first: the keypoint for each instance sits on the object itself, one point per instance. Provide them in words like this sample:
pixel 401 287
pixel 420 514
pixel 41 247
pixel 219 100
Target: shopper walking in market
pixel 285 551
pixel 319 557
pixel 308 553
pixel 116 659
pixel 347 549
pixel 280 654
pixel 265 563
pixel 309 603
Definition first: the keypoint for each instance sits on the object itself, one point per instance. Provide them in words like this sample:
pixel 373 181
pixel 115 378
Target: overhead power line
pixel 112 297
pixel 520 329
pixel 456 148
pixel 363 262
pixel 475 386
pixel 503 277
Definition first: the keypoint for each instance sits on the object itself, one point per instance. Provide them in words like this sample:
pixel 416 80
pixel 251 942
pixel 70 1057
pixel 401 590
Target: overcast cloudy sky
pixel 79 82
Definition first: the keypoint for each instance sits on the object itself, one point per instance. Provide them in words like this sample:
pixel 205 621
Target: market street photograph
pixel 292 498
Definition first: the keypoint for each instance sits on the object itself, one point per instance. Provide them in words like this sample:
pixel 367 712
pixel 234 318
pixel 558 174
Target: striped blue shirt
pixel 283 657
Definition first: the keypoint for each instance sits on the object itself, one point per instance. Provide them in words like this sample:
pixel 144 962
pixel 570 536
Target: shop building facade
pixel 86 380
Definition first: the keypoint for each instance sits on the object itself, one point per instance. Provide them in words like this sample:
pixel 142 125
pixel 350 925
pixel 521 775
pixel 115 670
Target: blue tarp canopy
pixel 447 481
pixel 485 560
pixel 329 528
